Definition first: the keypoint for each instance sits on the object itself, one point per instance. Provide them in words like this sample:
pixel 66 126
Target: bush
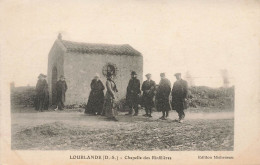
pixel 23 96
pixel 211 97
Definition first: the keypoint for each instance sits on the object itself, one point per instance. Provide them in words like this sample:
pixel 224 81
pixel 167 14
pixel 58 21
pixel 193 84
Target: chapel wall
pixel 79 70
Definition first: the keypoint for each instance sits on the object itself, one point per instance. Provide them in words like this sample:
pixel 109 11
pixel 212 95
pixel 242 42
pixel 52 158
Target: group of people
pixel 101 104
pixel 104 104
pixel 42 93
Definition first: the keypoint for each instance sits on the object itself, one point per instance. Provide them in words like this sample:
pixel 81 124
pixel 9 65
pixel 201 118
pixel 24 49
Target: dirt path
pixel 79 118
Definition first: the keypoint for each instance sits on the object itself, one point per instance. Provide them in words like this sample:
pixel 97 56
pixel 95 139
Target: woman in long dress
pixel 96 97
pixel 41 93
pixel 109 105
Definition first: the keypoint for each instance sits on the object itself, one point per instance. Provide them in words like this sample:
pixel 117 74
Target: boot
pixel 114 119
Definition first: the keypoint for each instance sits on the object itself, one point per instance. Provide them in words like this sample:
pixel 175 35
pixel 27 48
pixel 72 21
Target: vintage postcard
pixel 130 82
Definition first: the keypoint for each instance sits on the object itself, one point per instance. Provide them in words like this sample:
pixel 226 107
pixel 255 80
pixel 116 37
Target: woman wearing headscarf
pixel 96 97
pixel 109 105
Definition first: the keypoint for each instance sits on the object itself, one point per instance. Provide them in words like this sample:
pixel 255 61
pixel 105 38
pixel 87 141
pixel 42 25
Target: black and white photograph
pixel 130 76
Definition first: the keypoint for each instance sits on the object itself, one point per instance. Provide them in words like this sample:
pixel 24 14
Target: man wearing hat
pixel 133 92
pixel 179 95
pixel 162 96
pixel 42 93
pixel 148 88
pixel 61 88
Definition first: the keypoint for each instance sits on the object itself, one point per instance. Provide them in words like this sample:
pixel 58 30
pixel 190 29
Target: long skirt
pixel 109 108
pixel 95 102
pixel 41 101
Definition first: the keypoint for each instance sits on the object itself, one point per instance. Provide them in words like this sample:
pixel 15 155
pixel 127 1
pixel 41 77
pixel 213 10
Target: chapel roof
pixel 80 47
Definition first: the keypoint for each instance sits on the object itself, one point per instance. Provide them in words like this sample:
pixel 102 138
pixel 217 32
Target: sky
pixel 201 38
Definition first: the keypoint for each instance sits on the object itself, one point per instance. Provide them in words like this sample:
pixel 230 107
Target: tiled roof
pixel 100 48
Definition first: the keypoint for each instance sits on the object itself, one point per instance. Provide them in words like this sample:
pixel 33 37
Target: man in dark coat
pixel 148 89
pixel 61 88
pixel 162 96
pixel 179 96
pixel 133 92
pixel 96 97
pixel 41 93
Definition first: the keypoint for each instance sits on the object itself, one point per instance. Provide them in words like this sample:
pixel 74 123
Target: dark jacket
pixel 164 89
pixel 133 87
pixel 133 90
pixel 61 88
pixel 148 88
pixel 97 86
pixel 41 87
pixel 162 95
pixel 179 93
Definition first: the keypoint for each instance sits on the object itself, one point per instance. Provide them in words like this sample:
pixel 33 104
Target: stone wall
pixel 79 70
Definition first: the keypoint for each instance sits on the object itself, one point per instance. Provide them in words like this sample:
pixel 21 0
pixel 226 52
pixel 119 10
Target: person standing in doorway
pixel 133 93
pixel 61 88
pixel 148 88
pixel 110 97
pixel 162 96
pixel 179 96
pixel 96 97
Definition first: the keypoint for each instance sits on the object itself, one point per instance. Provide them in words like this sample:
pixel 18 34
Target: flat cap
pixel 148 74
pixel 162 74
pixel 42 75
pixel 177 74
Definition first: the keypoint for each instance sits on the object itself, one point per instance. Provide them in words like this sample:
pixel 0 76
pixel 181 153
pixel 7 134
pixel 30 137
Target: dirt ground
pixel 73 130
